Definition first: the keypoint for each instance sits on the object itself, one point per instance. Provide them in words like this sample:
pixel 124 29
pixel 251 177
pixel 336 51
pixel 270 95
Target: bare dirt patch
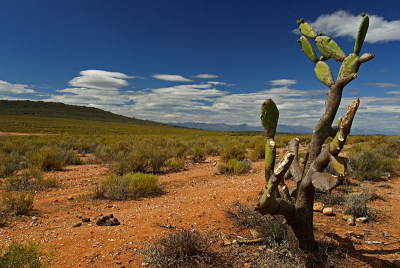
pixel 193 199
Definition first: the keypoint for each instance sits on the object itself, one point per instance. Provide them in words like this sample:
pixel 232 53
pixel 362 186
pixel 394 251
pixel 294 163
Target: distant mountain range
pixel 281 128
pixel 243 127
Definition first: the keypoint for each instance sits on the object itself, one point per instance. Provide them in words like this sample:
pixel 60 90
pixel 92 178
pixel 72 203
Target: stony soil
pixel 195 198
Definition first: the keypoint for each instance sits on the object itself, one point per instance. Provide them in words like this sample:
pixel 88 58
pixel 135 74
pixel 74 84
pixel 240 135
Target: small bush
pixel 373 160
pixel 9 163
pixel 357 205
pixel 233 150
pixel 19 204
pixel 267 226
pixel 131 185
pixel 132 161
pixel 176 164
pixel 330 199
pixel 198 154
pixel 184 249
pixel 18 255
pixel 234 166
pixel 158 157
pixel 49 158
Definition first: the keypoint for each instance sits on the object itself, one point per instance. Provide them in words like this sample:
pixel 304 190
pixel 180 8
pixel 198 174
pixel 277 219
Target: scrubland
pixel 184 198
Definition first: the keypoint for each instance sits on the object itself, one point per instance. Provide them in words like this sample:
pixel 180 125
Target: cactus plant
pixel 310 176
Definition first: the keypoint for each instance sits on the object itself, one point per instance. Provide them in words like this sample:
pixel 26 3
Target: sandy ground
pixel 195 198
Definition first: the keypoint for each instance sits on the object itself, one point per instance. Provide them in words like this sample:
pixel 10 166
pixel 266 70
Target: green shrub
pixel 9 163
pixel 234 166
pixel 158 156
pixel 186 248
pixel 104 153
pixel 357 204
pixel 176 164
pixel 198 154
pixel 19 204
pixel 258 151
pixel 49 158
pixel 373 160
pixel 132 161
pixel 131 185
pixel 233 150
pixel 274 233
pixel 18 255
pixel 30 179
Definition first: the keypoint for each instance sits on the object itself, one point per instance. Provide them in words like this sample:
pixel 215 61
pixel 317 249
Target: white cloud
pixel 171 77
pixel 100 79
pixel 206 76
pixel 283 82
pixel 344 24
pixel 394 92
pixel 7 88
pixel 383 84
pixel 215 83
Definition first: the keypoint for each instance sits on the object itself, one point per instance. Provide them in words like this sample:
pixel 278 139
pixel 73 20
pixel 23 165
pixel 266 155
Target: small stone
pixel 118 262
pixel 70 197
pixel 85 219
pixel 328 212
pixel 77 224
pixel 385 233
pixel 362 219
pixel 34 218
pixel 351 221
pixel 145 264
pixel 318 207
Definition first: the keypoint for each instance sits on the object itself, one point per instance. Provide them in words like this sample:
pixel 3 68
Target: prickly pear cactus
pixel 330 49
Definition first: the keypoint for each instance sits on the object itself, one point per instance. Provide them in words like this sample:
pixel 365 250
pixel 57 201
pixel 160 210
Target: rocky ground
pixel 65 217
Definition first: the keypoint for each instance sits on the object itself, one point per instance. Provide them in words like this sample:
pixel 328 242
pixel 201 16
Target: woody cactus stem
pixel 310 175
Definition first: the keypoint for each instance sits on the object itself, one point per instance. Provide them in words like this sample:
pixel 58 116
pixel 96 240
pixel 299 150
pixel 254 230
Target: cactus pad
pixel 329 48
pixel 308 49
pixel 349 69
pixel 362 32
pixel 324 73
pixel 269 117
pixel 307 30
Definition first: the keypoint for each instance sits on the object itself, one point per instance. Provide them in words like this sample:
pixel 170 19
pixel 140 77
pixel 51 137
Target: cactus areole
pixel 308 173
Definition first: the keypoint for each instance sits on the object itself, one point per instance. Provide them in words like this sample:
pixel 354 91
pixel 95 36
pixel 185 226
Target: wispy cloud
pixel 344 24
pixel 283 82
pixel 204 103
pixel 100 79
pixel 7 88
pixel 171 77
pixel 215 83
pixel 383 84
pixel 206 76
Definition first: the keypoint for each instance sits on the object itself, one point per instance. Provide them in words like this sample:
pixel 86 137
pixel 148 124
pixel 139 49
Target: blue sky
pixel 196 61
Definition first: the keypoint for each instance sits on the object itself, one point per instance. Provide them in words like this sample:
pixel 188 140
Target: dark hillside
pixel 61 110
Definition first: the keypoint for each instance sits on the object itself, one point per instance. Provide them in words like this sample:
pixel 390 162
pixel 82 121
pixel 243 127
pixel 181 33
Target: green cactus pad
pixel 362 32
pixel 339 164
pixel 308 49
pixel 329 48
pixel 348 68
pixel 307 30
pixel 269 117
pixel 324 73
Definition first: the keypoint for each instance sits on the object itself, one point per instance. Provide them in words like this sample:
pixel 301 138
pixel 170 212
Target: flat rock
pixel 328 212
pixel 319 207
